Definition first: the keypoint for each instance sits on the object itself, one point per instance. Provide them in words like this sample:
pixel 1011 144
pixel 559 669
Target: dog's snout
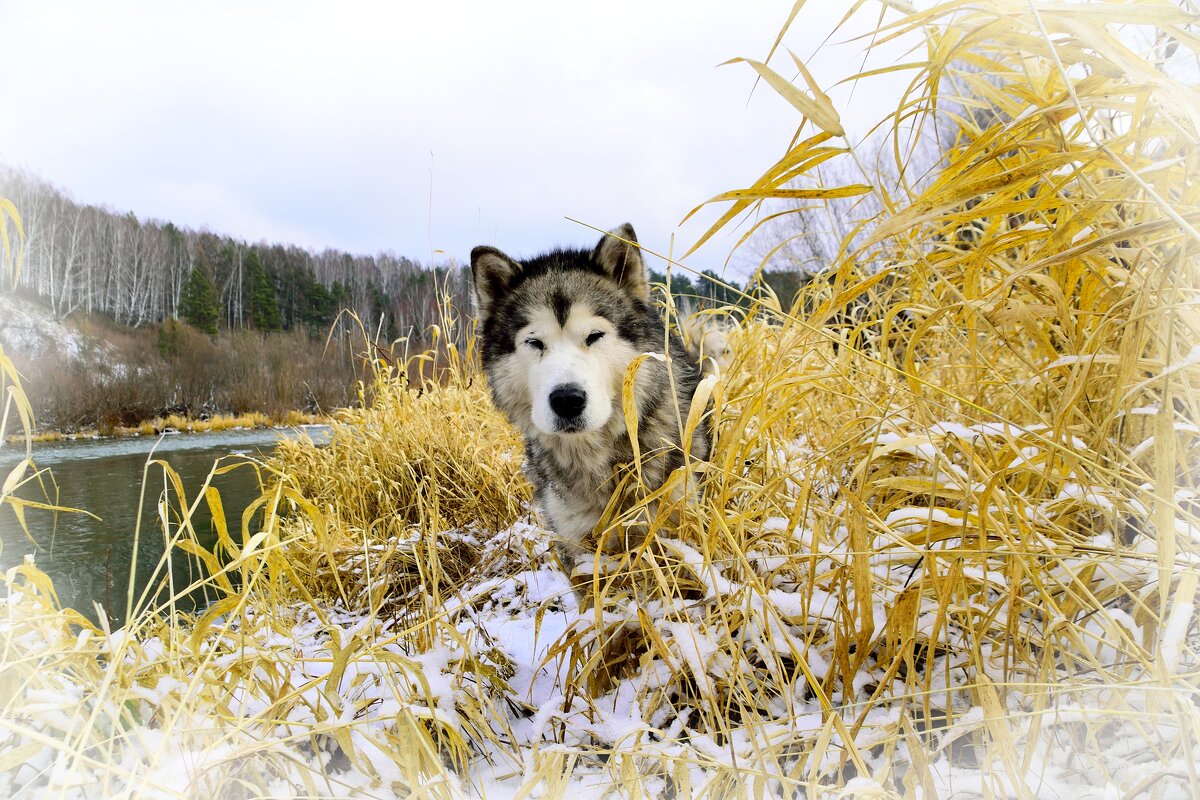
pixel 568 401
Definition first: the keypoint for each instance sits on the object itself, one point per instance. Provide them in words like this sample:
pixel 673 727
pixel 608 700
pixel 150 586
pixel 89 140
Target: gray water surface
pixel 92 560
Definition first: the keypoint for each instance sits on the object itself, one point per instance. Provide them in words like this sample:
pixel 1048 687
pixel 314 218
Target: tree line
pixel 94 260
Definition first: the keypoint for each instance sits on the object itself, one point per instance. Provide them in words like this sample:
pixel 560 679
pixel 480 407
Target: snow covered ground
pixel 317 701
pixel 29 330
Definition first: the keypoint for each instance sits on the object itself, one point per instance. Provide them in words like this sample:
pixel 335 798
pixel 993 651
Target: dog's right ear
pixel 621 259
pixel 495 273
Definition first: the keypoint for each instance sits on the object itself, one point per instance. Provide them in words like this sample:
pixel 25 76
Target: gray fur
pixel 565 324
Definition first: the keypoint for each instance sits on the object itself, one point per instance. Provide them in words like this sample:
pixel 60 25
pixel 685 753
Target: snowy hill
pixel 29 331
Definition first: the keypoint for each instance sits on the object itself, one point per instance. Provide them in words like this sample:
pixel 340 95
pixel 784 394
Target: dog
pixel 707 338
pixel 557 334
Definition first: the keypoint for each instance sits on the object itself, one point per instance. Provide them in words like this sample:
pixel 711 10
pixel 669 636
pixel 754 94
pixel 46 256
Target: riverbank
pixel 175 423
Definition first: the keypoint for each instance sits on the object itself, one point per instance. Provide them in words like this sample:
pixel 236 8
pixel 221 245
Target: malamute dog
pixel 558 332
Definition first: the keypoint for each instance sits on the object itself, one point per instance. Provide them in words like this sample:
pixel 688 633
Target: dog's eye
pixel 594 337
pixel 536 344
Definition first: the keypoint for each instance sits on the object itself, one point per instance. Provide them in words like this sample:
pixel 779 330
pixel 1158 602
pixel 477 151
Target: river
pixel 91 559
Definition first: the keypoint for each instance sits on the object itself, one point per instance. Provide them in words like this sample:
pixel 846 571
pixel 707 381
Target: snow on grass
pixel 337 699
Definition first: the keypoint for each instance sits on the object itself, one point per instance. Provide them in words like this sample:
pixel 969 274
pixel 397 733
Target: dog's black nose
pixel 568 400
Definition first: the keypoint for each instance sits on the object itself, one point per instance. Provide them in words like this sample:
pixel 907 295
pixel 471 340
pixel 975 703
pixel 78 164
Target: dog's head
pixel 559 330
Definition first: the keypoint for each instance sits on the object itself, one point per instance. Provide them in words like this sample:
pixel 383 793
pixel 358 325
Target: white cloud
pixel 334 125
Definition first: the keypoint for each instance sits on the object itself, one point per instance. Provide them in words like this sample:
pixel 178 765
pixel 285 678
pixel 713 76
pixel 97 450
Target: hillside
pixel 29 332
pixel 116 319
pixel 136 272
pixel 91 373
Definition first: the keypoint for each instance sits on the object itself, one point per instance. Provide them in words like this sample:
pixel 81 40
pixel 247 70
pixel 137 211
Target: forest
pixel 90 259
pixel 197 323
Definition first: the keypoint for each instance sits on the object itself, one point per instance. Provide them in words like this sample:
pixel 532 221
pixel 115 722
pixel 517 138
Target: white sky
pixel 415 127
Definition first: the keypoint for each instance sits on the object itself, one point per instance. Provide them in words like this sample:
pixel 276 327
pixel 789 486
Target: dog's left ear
pixel 494 273
pixel 621 259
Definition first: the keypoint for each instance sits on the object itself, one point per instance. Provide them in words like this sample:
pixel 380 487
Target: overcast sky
pixel 414 127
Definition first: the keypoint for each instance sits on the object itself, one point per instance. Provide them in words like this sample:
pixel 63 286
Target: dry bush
pixel 145 374
pixel 982 508
pixel 968 528
pixel 400 485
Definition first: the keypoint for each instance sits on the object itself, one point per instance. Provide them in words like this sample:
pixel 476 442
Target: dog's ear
pixel 621 259
pixel 495 273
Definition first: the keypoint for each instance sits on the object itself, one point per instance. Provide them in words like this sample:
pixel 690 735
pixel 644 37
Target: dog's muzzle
pixel 568 402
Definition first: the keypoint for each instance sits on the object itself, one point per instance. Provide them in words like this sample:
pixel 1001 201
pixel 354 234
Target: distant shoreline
pixel 179 424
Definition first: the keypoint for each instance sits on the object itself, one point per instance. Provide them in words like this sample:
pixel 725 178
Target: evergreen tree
pixel 682 288
pixel 318 306
pixel 264 301
pixel 172 344
pixel 199 305
pixel 718 291
pixel 381 307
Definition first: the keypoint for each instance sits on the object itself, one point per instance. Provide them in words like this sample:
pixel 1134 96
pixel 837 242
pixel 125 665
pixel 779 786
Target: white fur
pixel 565 359
pixel 707 339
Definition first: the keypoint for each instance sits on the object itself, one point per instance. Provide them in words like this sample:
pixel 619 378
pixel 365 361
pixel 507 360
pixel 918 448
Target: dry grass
pixel 400 488
pixel 182 424
pixel 956 555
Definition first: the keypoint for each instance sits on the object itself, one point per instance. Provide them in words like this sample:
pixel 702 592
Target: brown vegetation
pixel 175 369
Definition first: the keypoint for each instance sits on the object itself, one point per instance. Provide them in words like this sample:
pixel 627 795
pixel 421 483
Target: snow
pixel 30 331
pixel 382 682
pixel 1191 359
pixel 308 686
pixel 1173 635
pixel 1085 358
pixel 1075 491
pixel 912 520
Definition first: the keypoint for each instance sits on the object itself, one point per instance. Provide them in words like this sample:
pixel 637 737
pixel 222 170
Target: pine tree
pixel 199 305
pixel 381 312
pixel 786 284
pixel 718 291
pixel 318 309
pixel 264 301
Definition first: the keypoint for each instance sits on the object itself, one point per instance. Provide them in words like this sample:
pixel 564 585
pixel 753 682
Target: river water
pixel 92 559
